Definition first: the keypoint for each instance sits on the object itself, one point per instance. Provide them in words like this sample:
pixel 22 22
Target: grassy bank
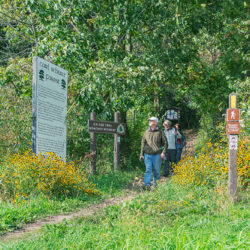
pixel 171 217
pixel 15 214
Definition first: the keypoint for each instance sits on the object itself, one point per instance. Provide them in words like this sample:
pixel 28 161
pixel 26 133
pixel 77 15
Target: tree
pixel 134 55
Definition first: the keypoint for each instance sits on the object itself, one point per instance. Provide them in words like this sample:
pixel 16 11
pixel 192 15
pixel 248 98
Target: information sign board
pixel 49 107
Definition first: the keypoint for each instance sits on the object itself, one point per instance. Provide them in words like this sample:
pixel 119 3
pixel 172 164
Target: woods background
pixel 136 57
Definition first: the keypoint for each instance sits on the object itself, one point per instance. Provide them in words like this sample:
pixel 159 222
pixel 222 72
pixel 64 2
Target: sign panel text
pixel 49 108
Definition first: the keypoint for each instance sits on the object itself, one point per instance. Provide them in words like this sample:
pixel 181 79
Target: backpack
pixel 183 139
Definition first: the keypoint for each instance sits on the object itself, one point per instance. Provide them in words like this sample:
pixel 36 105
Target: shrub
pixel 22 175
pixel 210 166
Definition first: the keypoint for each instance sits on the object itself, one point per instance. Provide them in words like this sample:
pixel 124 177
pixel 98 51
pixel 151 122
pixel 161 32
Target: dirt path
pixel 92 209
pixel 134 189
pixel 191 137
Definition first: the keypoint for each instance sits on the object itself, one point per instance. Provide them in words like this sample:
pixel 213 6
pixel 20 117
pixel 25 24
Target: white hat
pixel 153 119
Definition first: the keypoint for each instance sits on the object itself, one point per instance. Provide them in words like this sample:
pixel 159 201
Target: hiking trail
pixel 135 188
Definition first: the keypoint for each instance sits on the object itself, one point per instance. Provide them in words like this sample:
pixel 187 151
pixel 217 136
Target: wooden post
pixel 232 169
pixel 93 145
pixel 116 144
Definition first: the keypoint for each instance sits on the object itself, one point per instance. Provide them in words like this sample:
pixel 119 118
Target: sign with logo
pixel 233 128
pixel 106 127
pixel 49 107
pixel 233 115
pixel 233 142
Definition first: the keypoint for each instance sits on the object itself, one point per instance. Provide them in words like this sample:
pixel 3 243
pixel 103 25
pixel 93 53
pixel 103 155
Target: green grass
pixel 114 183
pixel 13 216
pixel 169 218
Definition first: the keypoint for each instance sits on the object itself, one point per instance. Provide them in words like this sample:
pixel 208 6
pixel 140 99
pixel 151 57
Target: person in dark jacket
pixel 180 143
pixel 153 149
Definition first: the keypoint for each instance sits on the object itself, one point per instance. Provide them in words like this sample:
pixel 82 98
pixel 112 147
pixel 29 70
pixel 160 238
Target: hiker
pixel 171 134
pixel 153 149
pixel 180 143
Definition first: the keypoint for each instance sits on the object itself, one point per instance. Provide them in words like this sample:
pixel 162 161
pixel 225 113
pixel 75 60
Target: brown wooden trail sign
pixel 233 128
pixel 233 115
pixel 106 127
pixel 116 128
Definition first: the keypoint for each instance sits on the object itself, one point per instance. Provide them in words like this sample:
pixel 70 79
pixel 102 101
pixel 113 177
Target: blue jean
pixel 152 162
pixel 178 155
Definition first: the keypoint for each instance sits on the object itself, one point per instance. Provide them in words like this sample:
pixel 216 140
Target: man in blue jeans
pixel 153 148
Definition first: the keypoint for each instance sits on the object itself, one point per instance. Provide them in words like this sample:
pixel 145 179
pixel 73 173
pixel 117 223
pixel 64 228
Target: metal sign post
pixel 233 129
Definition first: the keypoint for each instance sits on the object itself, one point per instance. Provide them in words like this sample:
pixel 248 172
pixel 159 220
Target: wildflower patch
pixel 23 175
pixel 210 166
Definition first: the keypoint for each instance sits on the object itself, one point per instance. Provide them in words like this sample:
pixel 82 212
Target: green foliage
pixel 17 30
pixel 15 106
pixel 137 124
pixel 127 55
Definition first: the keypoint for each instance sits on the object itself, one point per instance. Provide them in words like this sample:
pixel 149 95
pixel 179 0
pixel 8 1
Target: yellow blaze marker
pixel 233 101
